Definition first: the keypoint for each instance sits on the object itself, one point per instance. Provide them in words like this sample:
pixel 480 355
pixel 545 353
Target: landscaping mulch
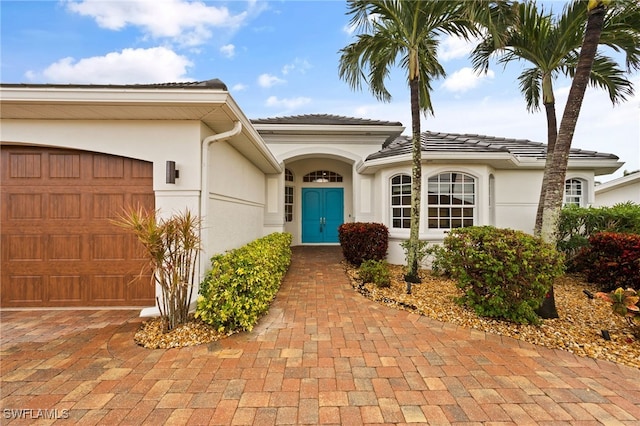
pixel 578 328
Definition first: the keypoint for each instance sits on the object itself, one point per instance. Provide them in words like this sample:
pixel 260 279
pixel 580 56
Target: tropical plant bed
pixel 152 335
pixel 578 330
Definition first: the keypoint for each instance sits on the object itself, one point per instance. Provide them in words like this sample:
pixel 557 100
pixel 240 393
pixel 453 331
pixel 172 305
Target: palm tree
pixel 624 17
pixel 406 33
pixel 551 46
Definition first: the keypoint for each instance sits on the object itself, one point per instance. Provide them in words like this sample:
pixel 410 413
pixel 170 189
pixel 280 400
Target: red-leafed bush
pixel 362 241
pixel 614 260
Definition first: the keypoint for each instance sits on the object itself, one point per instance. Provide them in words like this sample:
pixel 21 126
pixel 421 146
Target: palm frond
pixel 530 85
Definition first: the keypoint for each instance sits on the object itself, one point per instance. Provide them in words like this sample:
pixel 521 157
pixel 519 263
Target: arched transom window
pixel 451 200
pixel 322 176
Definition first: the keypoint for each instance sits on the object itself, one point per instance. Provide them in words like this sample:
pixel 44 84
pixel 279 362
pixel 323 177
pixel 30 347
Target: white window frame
pixel 400 197
pixel 289 191
pixel 446 218
pixel 573 195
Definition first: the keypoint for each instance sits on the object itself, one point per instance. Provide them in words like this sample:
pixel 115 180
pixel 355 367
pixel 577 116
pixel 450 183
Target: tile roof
pixel 454 142
pixel 211 84
pixel 324 119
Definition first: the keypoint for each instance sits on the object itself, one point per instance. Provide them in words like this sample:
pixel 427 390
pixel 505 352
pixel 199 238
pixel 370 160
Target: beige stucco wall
pixel 235 199
pixel 621 190
pixel 516 198
pixel 619 195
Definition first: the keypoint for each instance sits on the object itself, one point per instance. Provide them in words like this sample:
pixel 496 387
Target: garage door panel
pixel 108 167
pixel 25 165
pixel 139 288
pixel 140 170
pixel 64 166
pixel 109 206
pixel 108 247
pixel 65 247
pixel 65 289
pixel 24 248
pixel 25 290
pixel 23 206
pixel 108 289
pixel 65 206
pixel 60 246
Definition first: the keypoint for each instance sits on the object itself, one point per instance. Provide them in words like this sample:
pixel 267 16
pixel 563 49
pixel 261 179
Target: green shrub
pixel 503 273
pixel 241 283
pixel 578 224
pixel 362 241
pixel 376 272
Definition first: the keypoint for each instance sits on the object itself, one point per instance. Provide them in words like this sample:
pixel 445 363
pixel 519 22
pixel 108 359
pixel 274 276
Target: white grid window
pixel 573 192
pixel 288 196
pixel 451 200
pixel 401 201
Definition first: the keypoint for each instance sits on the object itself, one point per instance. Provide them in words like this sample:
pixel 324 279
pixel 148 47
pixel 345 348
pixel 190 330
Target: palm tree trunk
pixel 552 134
pixel 412 275
pixel 557 174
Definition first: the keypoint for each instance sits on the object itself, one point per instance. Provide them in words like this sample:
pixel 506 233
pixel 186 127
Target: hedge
pixel 241 283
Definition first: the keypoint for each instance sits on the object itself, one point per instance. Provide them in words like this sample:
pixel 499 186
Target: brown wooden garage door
pixel 59 247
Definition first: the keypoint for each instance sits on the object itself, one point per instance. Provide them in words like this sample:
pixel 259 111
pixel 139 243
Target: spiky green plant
pixel 172 246
pixel 625 303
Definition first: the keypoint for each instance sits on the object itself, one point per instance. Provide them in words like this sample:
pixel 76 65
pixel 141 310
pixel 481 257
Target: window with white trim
pixel 288 196
pixel 574 192
pixel 401 201
pixel 451 200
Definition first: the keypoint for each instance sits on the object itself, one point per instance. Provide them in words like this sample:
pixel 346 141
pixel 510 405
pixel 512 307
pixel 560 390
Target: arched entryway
pixel 318 199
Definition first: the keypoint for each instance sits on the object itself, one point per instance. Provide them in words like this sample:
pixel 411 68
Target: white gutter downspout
pixel 204 195
pixel 204 183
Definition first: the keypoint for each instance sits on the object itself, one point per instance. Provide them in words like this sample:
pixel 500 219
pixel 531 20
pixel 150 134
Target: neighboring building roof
pixel 213 84
pixel 628 180
pixel 324 119
pixel 454 142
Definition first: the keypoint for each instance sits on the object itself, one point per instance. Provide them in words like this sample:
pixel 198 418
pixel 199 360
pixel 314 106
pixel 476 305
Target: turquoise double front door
pixel 322 214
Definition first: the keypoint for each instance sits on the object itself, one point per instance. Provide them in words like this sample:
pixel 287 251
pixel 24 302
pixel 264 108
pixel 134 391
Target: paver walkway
pixel 323 355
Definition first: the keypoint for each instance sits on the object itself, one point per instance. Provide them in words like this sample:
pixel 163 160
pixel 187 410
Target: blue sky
pixel 281 58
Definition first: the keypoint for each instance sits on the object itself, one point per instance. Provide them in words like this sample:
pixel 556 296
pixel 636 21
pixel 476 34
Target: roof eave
pixel 108 94
pixel 499 160
pixel 600 166
pixel 327 128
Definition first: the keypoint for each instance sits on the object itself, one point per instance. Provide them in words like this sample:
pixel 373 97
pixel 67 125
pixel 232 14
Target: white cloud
pixel 287 103
pixel 130 66
pixel 189 23
pixel 455 47
pixel 465 79
pixel 300 65
pixel 268 80
pixel 228 50
pixel 239 87
pixel 349 29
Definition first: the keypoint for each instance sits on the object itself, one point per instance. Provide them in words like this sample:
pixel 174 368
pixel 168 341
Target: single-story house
pixel 621 190
pixel 74 156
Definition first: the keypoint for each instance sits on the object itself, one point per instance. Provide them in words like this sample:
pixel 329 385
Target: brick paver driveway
pixel 323 355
